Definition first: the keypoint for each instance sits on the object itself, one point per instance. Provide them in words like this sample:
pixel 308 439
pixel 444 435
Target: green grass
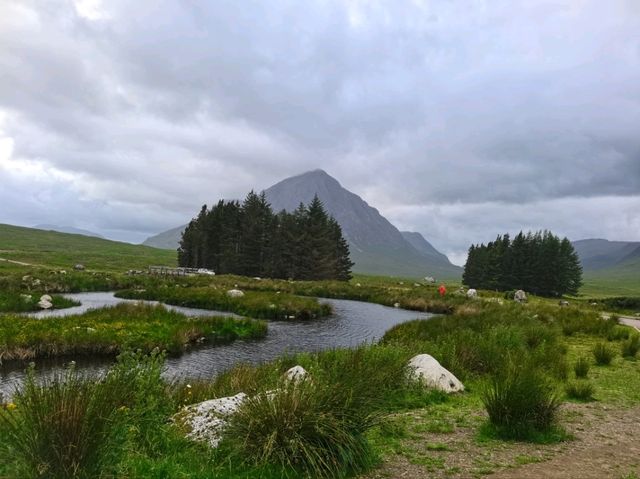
pixel 12 302
pixel 109 331
pixel 61 250
pixel 256 304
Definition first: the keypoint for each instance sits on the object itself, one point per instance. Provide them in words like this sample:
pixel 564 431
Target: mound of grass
pixel 521 402
pixel 306 427
pixel 631 346
pixel 111 330
pixel 603 354
pixel 581 367
pixel 255 304
pixel 581 390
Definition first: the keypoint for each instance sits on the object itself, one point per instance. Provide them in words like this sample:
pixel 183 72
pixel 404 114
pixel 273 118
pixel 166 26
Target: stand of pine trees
pixel 540 263
pixel 251 240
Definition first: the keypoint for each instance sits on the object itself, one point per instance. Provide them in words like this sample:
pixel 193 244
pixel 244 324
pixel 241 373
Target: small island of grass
pixel 111 330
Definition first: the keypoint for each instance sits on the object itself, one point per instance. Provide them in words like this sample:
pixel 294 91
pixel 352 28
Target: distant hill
pixel 64 250
pixel 598 254
pixel 376 246
pixel 67 229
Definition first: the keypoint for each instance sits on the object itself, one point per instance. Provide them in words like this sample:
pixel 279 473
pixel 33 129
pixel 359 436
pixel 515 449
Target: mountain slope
pixel 67 229
pixel 597 254
pixel 376 246
pixel 169 239
pixel 63 250
pixel 425 248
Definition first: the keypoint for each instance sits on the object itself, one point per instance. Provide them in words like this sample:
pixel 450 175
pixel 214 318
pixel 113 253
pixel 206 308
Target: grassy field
pixel 61 250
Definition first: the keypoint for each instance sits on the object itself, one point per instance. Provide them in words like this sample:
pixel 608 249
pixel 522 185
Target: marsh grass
pixel 603 354
pixel 16 302
pixel 521 402
pixel 580 389
pixel 314 428
pixel 631 346
pixel 255 304
pixel 111 330
pixel 581 367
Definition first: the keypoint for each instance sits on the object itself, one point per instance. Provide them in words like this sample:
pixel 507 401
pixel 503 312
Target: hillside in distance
pixel 67 229
pixel 376 246
pixel 64 250
pixel 598 254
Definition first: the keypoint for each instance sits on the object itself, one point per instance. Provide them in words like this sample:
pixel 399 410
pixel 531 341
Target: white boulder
pixel 472 293
pixel 44 304
pixel 296 374
pixel 235 293
pixel 46 297
pixel 520 296
pixel 426 369
pixel 207 420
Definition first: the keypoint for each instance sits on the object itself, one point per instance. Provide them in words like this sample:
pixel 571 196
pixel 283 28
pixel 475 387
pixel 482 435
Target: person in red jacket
pixel 442 290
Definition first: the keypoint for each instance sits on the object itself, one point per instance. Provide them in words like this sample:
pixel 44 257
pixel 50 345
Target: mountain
pixel 376 246
pixel 598 254
pixel 169 239
pixel 425 248
pixel 67 229
pixel 63 250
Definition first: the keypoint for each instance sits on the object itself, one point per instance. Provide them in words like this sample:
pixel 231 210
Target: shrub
pixel 581 389
pixel 520 402
pixel 304 427
pixel 631 346
pixel 581 367
pixel 603 354
pixel 618 333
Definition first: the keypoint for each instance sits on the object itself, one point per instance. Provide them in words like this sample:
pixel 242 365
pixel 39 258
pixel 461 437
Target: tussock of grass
pixel 603 354
pixel 111 330
pixel 521 402
pixel 631 346
pixel 581 367
pixel 581 390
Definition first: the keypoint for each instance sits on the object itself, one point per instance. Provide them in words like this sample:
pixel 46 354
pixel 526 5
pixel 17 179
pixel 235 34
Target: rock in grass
pixel 235 293
pixel 45 302
pixel 296 374
pixel 207 420
pixel 472 293
pixel 520 296
pixel 426 369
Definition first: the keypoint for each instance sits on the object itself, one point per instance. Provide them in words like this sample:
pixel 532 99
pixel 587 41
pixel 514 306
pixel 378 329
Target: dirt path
pixel 606 446
pixel 630 321
pixel 15 262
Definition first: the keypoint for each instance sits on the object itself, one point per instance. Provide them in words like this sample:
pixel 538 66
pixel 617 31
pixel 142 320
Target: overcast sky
pixel 457 119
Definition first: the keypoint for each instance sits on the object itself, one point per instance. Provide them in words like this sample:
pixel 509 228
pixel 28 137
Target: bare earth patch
pixel 606 444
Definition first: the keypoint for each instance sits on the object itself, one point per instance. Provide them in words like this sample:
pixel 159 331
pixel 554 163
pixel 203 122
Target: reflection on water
pixel 352 323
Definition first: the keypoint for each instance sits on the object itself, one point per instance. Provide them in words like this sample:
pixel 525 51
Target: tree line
pixel 249 239
pixel 540 263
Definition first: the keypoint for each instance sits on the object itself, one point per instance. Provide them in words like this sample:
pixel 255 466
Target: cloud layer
pixel 456 119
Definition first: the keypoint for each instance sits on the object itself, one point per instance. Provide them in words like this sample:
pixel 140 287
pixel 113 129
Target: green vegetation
pixel 539 263
pixel 255 304
pixel 11 302
pixel 61 250
pixel 603 354
pixel 581 367
pixel 521 402
pixel 631 346
pixel 251 240
pixel 109 331
pixel 581 390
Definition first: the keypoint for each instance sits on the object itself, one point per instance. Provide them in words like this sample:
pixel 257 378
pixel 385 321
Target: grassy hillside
pixel 623 280
pixel 62 250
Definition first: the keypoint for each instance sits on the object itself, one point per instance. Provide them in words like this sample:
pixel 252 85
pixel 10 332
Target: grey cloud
pixel 157 107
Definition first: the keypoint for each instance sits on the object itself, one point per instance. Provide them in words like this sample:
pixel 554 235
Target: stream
pixel 351 324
